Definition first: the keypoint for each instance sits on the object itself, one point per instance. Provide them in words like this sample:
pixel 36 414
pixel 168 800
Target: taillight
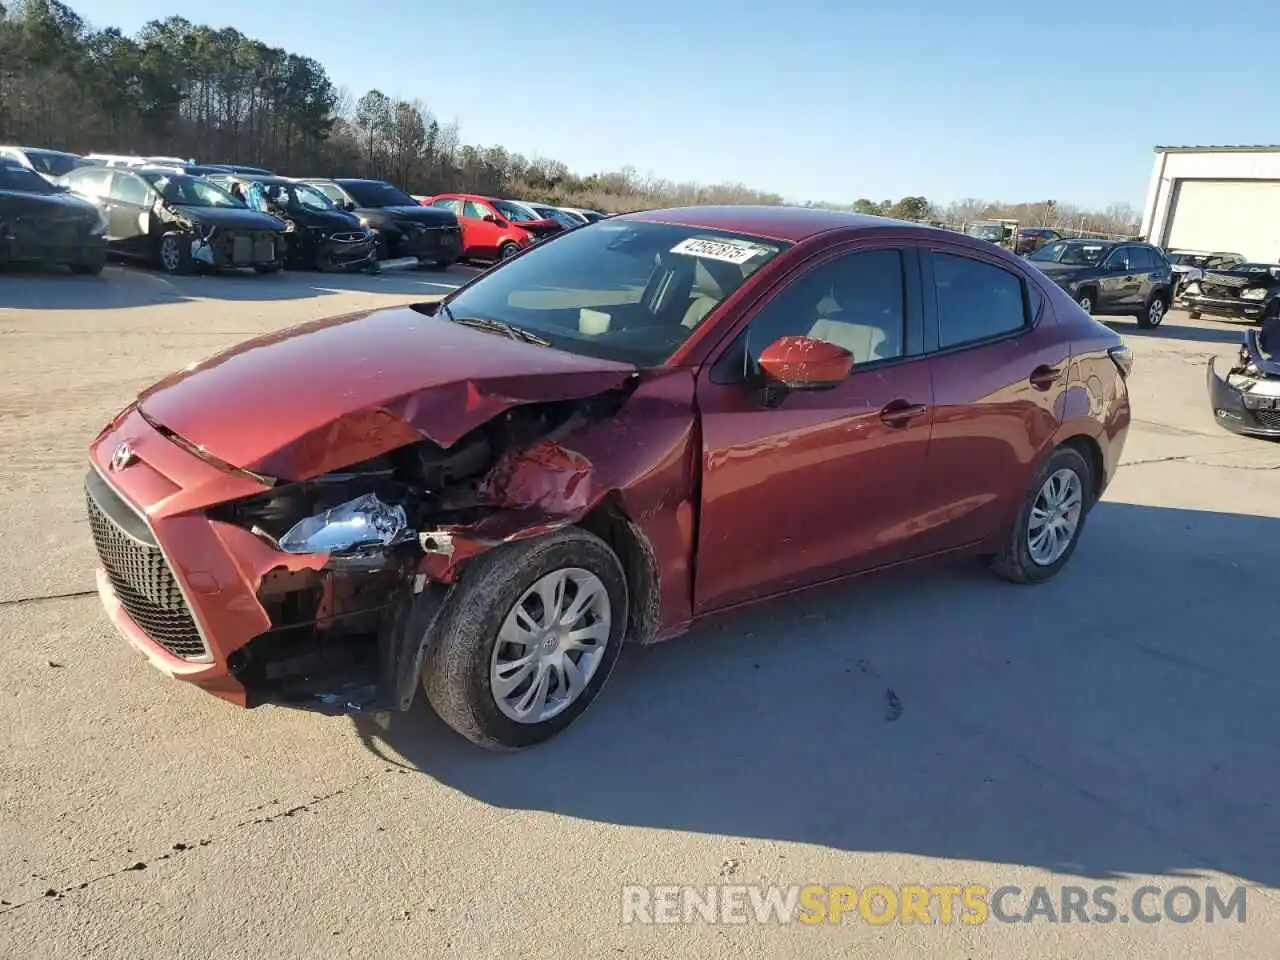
pixel 1122 357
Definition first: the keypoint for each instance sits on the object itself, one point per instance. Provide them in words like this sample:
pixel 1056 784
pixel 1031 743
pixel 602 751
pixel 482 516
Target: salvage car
pixel 42 224
pixel 1189 265
pixel 401 226
pixel 486 495
pixel 493 228
pixel 1245 291
pixel 50 164
pixel 317 234
pixel 1031 239
pixel 1247 400
pixel 177 222
pixel 1110 277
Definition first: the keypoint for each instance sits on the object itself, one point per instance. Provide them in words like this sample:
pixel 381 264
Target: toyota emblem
pixel 122 457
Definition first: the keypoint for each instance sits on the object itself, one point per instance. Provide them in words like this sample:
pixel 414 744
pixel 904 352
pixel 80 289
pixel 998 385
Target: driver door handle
pixel 898 413
pixel 1044 376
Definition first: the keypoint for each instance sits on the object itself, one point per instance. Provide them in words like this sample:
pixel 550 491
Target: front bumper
pixel 335 253
pixel 429 244
pixel 1229 307
pixel 240 248
pixel 212 604
pixel 1253 413
pixel 84 250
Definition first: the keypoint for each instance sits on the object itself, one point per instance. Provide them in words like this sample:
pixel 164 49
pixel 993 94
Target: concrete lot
pixel 1118 725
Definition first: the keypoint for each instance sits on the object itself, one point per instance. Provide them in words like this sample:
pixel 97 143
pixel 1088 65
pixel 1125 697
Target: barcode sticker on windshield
pixel 730 251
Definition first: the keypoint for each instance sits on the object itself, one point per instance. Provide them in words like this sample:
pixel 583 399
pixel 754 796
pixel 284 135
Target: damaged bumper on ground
pixel 1247 399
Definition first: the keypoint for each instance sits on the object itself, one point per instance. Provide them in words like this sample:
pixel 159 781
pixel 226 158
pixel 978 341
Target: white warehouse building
pixel 1223 199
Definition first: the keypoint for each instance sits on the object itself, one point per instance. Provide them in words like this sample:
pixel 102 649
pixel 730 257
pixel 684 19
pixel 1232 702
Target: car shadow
pixel 1117 720
pixel 126 286
pixel 1229 333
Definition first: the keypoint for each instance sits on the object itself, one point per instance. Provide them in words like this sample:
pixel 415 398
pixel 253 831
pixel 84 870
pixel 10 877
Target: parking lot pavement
pixel 1115 726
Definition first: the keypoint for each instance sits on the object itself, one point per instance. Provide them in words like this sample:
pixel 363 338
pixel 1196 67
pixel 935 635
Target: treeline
pixel 1119 218
pixel 178 88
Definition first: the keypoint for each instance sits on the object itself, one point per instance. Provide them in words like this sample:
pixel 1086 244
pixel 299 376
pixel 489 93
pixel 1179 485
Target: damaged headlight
pixel 1254 293
pixel 1192 287
pixel 352 526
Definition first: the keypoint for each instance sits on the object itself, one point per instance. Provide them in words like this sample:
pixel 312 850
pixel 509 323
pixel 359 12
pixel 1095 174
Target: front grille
pixel 1220 292
pixel 350 237
pixel 139 574
pixel 1268 418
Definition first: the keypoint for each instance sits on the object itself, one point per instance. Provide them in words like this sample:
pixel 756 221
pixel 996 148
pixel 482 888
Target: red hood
pixel 327 394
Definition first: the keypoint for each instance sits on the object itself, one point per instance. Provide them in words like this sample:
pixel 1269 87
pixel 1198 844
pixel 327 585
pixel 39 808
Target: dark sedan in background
pixel 1247 291
pixel 1110 277
pixel 1031 239
pixel 42 224
pixel 318 235
pixel 178 222
pixel 401 226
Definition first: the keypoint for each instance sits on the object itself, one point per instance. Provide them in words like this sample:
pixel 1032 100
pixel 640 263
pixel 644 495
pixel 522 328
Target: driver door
pixel 1119 283
pixel 129 201
pixel 827 483
pixel 480 237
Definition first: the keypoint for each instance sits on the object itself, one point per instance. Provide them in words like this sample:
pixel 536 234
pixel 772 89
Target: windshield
pixel 516 212
pixel 54 163
pixel 310 197
pixel 619 290
pixel 14 177
pixel 1071 254
pixel 372 194
pixel 986 231
pixel 190 191
pixel 1188 259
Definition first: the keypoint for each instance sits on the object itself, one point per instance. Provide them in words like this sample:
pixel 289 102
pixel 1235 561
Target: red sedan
pixel 656 418
pixel 494 229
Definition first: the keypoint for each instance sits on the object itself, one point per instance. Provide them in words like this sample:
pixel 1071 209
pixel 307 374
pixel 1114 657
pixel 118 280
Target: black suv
pixel 1110 277
pixel 1244 291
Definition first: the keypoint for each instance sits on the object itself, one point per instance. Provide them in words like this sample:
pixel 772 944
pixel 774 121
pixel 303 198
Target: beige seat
pixel 712 281
pixel 859 325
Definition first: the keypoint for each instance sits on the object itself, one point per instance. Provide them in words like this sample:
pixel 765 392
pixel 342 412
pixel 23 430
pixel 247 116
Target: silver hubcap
pixel 1155 313
pixel 508 252
pixel 1055 517
pixel 169 253
pixel 550 645
pixel 1086 304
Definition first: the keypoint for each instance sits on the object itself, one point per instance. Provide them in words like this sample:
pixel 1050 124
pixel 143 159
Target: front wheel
pixel 1085 301
pixel 1152 314
pixel 528 639
pixel 1050 522
pixel 174 253
pixel 508 250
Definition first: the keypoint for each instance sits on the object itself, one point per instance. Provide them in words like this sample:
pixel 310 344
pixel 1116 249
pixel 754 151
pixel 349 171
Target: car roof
pixel 255 177
pixel 343 181
pixel 792 224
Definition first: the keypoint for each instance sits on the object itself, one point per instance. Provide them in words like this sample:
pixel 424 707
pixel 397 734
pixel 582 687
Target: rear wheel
pixel 528 639
pixel 1051 519
pixel 1085 298
pixel 1152 315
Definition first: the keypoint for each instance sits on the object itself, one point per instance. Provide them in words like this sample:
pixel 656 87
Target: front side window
pixel 332 191
pixel 1120 259
pixel 855 301
pixel 450 204
pixel 515 212
pixel 89 181
pixel 126 188
pixel 622 290
pixel 310 198
pixel 976 300
pixel 476 210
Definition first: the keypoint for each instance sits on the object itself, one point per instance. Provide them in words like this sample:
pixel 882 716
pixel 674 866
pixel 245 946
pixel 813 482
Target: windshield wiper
pixel 496 326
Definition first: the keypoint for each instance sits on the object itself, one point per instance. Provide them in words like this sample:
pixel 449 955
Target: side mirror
pixel 802 363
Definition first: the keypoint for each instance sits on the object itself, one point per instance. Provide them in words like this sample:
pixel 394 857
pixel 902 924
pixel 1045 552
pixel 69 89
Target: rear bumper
pixel 1257 416
pixel 1229 308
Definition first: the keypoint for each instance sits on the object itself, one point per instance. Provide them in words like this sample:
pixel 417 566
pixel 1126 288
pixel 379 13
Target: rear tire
pixel 1087 300
pixel 1024 557
pixel 467 650
pixel 1152 315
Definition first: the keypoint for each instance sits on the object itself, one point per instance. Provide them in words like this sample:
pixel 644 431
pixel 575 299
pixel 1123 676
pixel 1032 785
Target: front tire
pixel 1050 521
pixel 508 250
pixel 1086 299
pixel 1152 315
pixel 173 253
pixel 528 639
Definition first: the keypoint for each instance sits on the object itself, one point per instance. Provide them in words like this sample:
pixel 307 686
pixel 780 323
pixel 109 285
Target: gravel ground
pixel 1116 726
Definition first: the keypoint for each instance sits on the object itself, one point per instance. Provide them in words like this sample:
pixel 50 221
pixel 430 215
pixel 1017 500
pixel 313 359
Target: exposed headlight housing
pixel 1192 287
pixel 1254 293
pixel 357 525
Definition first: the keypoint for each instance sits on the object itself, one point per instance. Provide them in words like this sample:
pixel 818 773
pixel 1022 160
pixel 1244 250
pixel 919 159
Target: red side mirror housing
pixel 803 363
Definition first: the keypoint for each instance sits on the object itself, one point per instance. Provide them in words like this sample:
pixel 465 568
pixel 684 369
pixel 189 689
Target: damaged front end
pixel 1247 400
pixel 363 559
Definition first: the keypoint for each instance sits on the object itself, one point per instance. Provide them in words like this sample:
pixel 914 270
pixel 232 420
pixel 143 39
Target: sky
pixel 1011 100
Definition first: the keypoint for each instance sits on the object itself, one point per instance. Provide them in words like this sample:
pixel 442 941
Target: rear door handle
pixel 898 413
pixel 1044 376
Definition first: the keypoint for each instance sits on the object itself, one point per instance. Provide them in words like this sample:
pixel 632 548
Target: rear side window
pixel 1141 258
pixel 976 300
pixel 128 189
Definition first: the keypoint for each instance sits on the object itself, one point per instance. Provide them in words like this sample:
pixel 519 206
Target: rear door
pixel 825 483
pixel 999 364
pixel 1119 283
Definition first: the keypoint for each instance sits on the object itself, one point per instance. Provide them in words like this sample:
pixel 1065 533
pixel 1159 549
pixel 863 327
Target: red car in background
pixel 494 229
pixel 655 419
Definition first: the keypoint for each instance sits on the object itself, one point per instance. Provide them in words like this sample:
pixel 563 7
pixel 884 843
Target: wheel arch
pixel 609 521
pixel 1089 448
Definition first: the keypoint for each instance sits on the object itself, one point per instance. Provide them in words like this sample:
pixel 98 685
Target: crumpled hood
pixel 325 395
pixel 230 218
